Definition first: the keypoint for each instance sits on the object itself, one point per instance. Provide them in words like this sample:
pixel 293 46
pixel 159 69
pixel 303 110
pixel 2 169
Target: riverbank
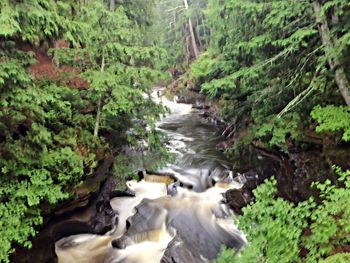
pixel 295 166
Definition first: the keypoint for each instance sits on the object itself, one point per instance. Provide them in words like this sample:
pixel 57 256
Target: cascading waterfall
pixel 181 220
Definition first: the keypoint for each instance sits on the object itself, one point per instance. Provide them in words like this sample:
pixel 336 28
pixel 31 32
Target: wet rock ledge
pixel 89 212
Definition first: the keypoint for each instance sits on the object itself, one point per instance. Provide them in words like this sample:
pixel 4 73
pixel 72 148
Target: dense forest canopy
pixel 278 67
pixel 184 30
pixel 280 72
pixel 75 84
pixel 75 76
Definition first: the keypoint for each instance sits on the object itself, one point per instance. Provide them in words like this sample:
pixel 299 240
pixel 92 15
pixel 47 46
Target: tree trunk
pixel 198 34
pixel 99 103
pixel 206 39
pixel 55 58
pixel 330 46
pixel 112 5
pixel 193 39
pixel 188 48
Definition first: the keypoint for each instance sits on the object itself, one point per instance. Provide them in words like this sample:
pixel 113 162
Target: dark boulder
pixel 185 99
pixel 236 199
pixel 178 252
pixel 295 173
pixel 298 171
pixel 200 106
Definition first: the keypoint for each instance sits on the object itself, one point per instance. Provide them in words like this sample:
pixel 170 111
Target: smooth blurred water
pixel 184 221
pixel 194 141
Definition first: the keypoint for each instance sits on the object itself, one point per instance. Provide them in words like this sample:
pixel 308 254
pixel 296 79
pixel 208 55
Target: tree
pixel 186 33
pixel 253 41
pixel 280 71
pixel 330 43
pixel 305 232
pixel 59 120
pixel 192 36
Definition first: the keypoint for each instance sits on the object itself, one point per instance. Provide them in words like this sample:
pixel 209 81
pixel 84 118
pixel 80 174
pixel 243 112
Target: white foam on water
pixel 150 251
pixel 83 248
pixel 174 107
pixel 204 209
pixel 125 206
pixel 148 247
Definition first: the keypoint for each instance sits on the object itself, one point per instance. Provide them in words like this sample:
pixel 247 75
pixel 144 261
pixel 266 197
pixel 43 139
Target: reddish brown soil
pixel 341 249
pixel 44 68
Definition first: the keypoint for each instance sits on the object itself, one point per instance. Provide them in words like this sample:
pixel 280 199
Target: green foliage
pixel 47 142
pixel 274 226
pixel 330 228
pixel 266 59
pixel 276 131
pixel 226 255
pixel 202 66
pixel 40 157
pixel 278 229
pixel 175 33
pixel 34 20
pixel 273 73
pixel 332 118
pixel 338 258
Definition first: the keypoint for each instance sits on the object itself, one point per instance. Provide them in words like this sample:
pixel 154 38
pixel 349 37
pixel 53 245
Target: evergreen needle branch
pixel 298 99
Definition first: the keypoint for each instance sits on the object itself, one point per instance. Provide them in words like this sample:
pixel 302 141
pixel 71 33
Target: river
pixel 184 221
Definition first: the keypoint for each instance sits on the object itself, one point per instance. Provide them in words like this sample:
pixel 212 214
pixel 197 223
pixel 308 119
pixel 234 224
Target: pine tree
pixel 186 34
pixel 253 41
pixel 64 109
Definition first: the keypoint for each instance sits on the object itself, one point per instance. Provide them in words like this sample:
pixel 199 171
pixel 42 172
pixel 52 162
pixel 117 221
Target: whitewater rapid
pixel 182 218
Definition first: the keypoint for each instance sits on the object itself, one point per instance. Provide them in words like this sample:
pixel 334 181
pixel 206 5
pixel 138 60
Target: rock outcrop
pixel 295 173
pixel 89 212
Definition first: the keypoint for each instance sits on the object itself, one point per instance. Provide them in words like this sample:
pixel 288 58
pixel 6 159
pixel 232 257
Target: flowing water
pixel 184 221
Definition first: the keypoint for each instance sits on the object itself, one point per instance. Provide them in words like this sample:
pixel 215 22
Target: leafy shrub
pixel 280 231
pixel 332 119
pixel 338 258
pixel 48 146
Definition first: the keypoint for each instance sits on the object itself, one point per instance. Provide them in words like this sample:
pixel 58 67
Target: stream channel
pixel 181 219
